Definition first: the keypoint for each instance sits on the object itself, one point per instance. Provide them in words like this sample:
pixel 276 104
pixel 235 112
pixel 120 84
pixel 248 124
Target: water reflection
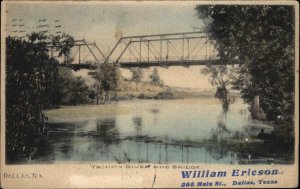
pixel 155 111
pixel 167 132
pixel 107 131
pixel 137 122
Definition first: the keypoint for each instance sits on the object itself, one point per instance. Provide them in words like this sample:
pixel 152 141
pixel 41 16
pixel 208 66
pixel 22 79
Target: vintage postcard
pixel 149 94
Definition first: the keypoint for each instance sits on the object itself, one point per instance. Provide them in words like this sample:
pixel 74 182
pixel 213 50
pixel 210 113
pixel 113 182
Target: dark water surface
pixel 160 131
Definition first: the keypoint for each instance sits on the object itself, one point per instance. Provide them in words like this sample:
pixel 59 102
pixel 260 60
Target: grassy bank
pixel 147 90
pixel 144 90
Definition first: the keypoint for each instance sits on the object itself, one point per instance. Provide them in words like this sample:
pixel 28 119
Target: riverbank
pixel 85 112
pixel 146 90
pixel 143 90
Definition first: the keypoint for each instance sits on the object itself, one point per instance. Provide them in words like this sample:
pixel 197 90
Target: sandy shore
pixel 85 112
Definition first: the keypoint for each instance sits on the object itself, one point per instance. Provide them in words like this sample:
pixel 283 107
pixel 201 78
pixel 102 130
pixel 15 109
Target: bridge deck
pixel 184 63
pixel 173 63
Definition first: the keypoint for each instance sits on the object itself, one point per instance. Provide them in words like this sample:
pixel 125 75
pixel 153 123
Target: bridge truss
pixel 175 49
pixel 183 49
pixel 83 55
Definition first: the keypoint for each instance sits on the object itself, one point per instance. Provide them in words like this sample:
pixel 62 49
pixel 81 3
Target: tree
pixel 261 37
pixel 221 76
pixel 137 74
pixel 71 90
pixel 154 77
pixel 31 83
pixel 63 44
pixel 107 77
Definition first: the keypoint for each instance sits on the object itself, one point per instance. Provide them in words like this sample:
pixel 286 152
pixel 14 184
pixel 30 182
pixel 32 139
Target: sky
pixel 105 22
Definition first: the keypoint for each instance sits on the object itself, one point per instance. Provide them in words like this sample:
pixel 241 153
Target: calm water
pixel 161 131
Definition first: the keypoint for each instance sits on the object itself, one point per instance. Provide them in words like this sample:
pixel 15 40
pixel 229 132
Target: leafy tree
pixel 107 78
pixel 63 44
pixel 71 90
pixel 137 74
pixel 261 37
pixel 221 76
pixel 31 82
pixel 155 79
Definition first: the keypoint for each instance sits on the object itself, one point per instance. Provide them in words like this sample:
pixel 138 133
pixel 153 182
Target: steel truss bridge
pixel 174 49
pixel 84 55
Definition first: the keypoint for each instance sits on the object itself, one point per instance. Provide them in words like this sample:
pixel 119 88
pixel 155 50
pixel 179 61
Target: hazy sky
pixel 104 22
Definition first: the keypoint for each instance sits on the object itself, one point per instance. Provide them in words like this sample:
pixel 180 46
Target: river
pixel 157 131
